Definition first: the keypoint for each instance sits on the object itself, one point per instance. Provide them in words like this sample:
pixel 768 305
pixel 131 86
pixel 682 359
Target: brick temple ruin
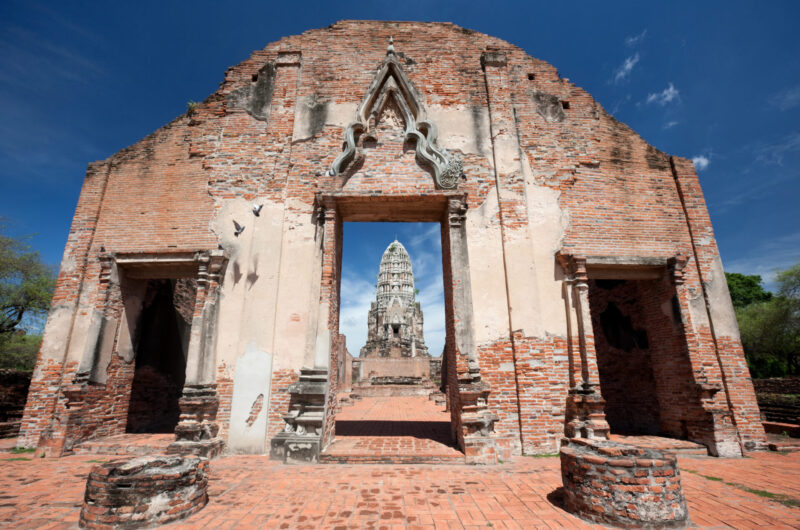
pixel 199 289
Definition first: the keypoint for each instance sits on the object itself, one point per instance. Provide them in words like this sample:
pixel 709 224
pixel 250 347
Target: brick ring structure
pixel 144 491
pixel 621 485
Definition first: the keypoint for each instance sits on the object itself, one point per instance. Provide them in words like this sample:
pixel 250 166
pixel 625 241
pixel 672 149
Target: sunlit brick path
pixel 254 492
pixel 397 429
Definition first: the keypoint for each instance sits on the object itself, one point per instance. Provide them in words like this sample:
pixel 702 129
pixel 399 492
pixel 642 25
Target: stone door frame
pixel 197 429
pixel 471 421
pixel 585 414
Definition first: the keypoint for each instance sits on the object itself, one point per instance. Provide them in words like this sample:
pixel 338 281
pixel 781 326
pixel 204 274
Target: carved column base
pixel 477 421
pixel 717 432
pixel 585 414
pixel 196 432
pixel 715 428
pixel 301 439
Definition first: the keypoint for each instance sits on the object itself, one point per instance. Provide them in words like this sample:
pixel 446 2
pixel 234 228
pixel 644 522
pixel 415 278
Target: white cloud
pixel 668 95
pixel 786 99
pixel 356 295
pixel 626 68
pixel 633 40
pixel 774 154
pixel 670 125
pixel 620 103
pixel 701 162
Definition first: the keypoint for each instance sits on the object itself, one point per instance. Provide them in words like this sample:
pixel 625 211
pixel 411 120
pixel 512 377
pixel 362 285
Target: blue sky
pixel 715 81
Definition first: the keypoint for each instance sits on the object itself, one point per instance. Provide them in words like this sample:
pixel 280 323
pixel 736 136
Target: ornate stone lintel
pixel 301 438
pixel 391 82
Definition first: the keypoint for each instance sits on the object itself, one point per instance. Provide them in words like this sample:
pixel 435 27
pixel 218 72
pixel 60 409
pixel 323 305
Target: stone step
pixel 790 445
pixel 126 444
pixel 390 459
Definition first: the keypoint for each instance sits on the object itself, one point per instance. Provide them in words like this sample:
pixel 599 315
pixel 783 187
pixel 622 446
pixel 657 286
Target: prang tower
pixel 395 318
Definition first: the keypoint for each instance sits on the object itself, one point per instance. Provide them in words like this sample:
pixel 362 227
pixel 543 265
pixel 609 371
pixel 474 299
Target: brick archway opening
pixel 372 429
pixel 163 330
pixel 643 360
pixel 141 359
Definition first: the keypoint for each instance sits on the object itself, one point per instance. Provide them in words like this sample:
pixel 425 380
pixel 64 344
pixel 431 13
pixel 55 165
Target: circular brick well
pixel 144 491
pixel 622 485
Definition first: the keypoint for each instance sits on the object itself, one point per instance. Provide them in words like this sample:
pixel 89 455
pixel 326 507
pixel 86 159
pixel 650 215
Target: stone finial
pixel 390 47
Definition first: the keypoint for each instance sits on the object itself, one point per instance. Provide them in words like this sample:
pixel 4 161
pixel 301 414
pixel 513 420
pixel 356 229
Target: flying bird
pixel 257 210
pixel 238 229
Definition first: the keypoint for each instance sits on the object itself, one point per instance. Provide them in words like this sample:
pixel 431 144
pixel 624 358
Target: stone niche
pixel 144 492
pixel 621 485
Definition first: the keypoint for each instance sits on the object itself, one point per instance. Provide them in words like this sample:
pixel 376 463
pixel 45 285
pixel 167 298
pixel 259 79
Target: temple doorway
pixel 643 361
pixel 392 405
pixel 162 337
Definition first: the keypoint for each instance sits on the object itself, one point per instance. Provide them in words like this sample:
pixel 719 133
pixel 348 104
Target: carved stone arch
pixel 392 84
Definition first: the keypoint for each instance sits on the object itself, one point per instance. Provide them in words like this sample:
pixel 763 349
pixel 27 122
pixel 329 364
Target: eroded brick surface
pixel 548 177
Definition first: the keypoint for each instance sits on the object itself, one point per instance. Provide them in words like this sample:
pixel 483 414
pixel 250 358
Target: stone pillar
pixel 475 421
pixel 55 367
pixel 714 426
pixel 196 432
pixel 70 406
pixel 585 414
pixel 305 425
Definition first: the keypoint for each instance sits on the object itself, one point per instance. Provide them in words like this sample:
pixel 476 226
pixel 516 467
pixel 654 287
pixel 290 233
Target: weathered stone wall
pixel 777 398
pixel 545 169
pixel 419 367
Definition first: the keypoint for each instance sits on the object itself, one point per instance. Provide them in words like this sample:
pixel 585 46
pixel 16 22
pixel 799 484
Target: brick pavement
pixel 254 492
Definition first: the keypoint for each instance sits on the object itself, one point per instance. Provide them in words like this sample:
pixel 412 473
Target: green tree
pixel 746 289
pixel 18 350
pixel 26 287
pixel 770 329
pixel 26 284
pixel 789 283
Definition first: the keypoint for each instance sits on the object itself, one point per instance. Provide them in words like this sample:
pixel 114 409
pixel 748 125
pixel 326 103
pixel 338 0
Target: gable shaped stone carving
pixel 392 84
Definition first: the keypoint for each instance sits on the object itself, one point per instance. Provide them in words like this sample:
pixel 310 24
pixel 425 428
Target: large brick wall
pixel 545 169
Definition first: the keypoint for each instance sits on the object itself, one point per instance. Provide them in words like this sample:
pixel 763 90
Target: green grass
pixel 544 455
pixel 17 458
pixel 786 500
pixel 98 461
pixel 21 450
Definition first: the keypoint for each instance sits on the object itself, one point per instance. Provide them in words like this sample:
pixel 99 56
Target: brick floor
pixel 254 492
pixel 681 447
pixel 397 429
